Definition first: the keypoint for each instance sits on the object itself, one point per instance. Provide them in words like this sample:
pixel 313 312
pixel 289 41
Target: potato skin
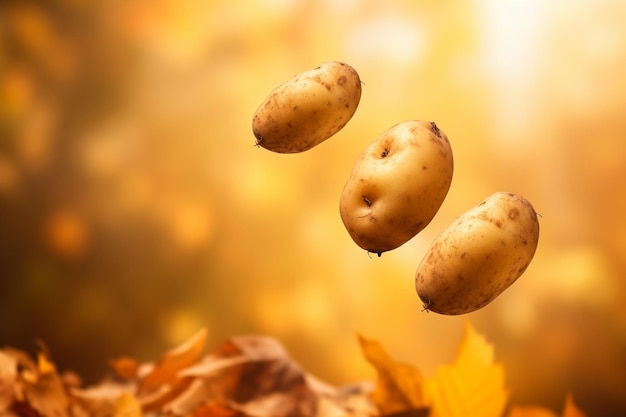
pixel 397 185
pixel 479 255
pixel 308 108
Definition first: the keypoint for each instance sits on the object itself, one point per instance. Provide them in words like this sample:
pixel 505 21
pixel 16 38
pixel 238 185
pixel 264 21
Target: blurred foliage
pixel 254 376
pixel 135 209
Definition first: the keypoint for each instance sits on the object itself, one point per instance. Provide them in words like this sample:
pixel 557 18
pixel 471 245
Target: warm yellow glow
pixel 132 195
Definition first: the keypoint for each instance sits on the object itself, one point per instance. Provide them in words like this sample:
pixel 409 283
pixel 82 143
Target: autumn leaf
pixel 166 369
pixel 162 382
pixel 127 406
pixel 254 376
pixel 125 368
pixel 473 386
pixel 99 400
pixel 569 410
pixel 531 411
pixel 8 378
pixel 45 391
pixel 215 410
pixel 399 386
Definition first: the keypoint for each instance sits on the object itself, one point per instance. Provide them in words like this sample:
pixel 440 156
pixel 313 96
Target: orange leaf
pixel 46 393
pixel 163 381
pixel 215 410
pixel 530 412
pixel 571 410
pixel 399 386
pixel 125 368
pixel 45 365
pixel 99 400
pixel 473 385
pixel 8 377
pixel 127 406
pixel 166 369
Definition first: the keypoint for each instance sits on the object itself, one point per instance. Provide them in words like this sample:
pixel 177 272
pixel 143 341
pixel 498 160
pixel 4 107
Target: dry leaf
pixel 127 406
pixel 125 368
pixel 166 369
pixel 46 393
pixel 473 386
pixel 253 376
pixel 100 400
pixel 215 410
pixel 162 382
pixel 399 387
pixel 8 378
pixel 569 410
pixel 350 401
pixel 193 397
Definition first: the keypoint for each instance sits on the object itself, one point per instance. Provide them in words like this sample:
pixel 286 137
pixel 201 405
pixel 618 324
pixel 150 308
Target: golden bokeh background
pixel 135 208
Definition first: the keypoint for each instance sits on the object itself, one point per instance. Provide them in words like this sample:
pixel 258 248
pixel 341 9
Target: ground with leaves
pixel 253 376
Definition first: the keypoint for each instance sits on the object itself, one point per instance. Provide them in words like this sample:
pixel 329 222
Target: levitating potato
pixel 397 185
pixel 308 108
pixel 479 255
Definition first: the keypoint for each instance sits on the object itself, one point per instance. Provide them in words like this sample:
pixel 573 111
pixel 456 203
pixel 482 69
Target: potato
pixel 479 255
pixel 308 108
pixel 397 185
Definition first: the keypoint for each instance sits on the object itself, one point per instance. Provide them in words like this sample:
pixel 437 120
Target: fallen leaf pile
pixel 253 376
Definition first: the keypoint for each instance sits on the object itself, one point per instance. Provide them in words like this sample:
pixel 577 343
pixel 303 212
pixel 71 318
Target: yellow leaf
pixel 473 385
pixel 399 387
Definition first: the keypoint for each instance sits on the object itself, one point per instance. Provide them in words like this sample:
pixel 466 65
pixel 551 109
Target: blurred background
pixel 135 208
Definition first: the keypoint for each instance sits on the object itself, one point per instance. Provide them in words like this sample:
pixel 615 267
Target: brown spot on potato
pixel 435 129
pixel 513 213
pixel 342 80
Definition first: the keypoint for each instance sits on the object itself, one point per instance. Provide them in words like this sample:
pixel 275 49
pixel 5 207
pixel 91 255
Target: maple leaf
pixel 399 387
pixel 472 386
